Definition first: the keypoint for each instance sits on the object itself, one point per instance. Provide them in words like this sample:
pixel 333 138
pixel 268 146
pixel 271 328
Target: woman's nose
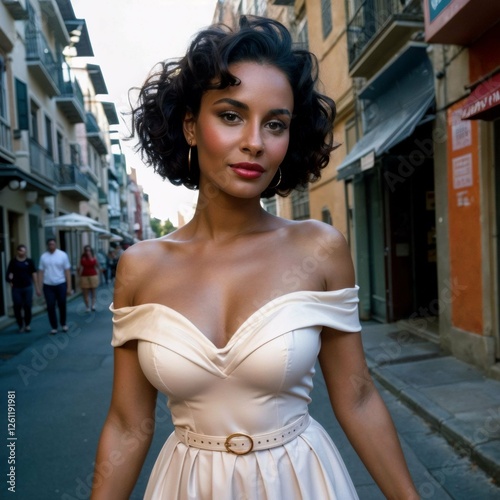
pixel 252 140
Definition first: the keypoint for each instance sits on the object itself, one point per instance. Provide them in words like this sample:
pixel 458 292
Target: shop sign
pixel 368 161
pixel 436 7
pixel 482 100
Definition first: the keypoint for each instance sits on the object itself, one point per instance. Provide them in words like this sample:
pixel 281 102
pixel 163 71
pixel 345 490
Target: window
pixel 260 7
pixel 303 35
pixel 34 121
pixel 48 137
pixel 300 204
pixel 74 151
pixel 22 105
pixel 3 90
pixel 270 205
pixel 326 17
pixel 326 216
pixel 60 148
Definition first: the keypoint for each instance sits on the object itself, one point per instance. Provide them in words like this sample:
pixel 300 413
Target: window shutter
pixel 22 105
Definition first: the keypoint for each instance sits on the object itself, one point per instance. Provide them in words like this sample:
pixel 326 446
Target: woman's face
pixel 242 132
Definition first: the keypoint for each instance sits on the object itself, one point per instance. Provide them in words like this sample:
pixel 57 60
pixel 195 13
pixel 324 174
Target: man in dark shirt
pixel 21 274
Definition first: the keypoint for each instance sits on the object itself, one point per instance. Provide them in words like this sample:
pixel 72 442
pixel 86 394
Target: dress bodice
pixel 259 381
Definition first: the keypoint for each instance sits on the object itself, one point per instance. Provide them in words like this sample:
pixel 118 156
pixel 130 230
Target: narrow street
pixel 62 389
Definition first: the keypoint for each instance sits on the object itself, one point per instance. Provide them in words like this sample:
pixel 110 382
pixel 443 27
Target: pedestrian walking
pixel 89 270
pixel 21 274
pixel 103 265
pixel 112 263
pixel 54 274
pixel 233 334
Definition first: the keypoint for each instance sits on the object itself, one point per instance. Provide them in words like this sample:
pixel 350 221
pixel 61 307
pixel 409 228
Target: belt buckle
pixel 227 443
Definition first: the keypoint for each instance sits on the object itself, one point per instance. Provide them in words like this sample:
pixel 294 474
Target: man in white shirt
pixel 54 274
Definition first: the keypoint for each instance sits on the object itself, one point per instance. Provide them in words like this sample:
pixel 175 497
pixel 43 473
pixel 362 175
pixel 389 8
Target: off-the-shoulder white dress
pixel 258 383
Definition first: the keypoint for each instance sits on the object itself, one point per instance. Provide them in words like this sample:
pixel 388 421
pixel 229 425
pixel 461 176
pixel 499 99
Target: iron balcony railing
pixel 41 162
pixel 37 49
pixel 94 134
pixel 71 99
pixel 5 136
pixel 371 16
pixel 71 175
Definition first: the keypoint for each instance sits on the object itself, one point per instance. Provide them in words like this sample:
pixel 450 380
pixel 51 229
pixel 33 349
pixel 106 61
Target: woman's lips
pixel 248 170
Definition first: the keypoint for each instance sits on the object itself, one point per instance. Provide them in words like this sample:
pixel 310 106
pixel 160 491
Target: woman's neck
pixel 221 218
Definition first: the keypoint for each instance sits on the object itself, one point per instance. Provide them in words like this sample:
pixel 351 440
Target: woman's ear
pixel 189 128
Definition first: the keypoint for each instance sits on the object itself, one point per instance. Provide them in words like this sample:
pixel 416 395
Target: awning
pixel 395 104
pixel 484 101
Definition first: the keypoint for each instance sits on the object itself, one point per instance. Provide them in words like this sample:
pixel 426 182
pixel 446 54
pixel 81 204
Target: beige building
pixel 328 41
pixel 55 147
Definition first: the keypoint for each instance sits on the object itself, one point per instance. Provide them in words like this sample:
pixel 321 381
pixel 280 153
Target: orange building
pixel 466 55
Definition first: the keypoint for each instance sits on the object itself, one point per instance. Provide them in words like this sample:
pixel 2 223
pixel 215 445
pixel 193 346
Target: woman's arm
pixel 362 413
pixel 355 400
pixel 129 426
pixel 128 429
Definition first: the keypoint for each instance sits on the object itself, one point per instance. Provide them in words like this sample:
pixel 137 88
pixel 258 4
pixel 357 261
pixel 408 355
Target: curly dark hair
pixel 178 87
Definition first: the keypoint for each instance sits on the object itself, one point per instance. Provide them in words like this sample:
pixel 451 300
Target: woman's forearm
pixel 120 456
pixel 372 434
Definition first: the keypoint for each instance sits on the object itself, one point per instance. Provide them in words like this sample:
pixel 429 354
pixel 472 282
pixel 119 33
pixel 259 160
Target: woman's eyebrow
pixel 241 105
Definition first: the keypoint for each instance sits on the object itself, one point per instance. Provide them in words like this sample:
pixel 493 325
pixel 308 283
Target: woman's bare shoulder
pixel 314 233
pixel 328 248
pixel 137 266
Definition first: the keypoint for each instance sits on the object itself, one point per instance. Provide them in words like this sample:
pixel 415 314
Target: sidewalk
pixel 12 342
pixel 455 398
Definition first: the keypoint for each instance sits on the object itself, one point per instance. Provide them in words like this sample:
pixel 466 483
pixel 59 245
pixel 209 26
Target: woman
pixel 89 270
pixel 227 314
pixel 21 274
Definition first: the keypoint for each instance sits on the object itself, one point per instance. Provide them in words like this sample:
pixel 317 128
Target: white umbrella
pixel 110 236
pixel 76 222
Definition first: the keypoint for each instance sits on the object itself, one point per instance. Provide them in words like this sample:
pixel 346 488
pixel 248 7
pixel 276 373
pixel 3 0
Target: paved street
pixel 62 388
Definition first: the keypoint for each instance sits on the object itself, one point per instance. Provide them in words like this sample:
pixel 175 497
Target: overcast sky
pixel 129 38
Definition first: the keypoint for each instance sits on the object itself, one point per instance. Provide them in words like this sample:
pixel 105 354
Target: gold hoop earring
pixel 279 180
pixel 189 157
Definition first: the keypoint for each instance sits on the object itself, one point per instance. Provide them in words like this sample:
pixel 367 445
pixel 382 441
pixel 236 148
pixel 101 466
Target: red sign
pixel 484 101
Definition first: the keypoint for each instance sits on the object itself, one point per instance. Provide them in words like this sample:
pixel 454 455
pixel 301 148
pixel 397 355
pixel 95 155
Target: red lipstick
pixel 248 170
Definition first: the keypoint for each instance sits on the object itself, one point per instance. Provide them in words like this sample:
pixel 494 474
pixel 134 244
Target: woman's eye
pixel 230 117
pixel 277 126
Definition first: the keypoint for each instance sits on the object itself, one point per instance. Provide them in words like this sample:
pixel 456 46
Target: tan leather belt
pixel 240 443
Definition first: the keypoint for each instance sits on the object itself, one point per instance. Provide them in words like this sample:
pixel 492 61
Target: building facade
pixel 465 40
pixel 56 155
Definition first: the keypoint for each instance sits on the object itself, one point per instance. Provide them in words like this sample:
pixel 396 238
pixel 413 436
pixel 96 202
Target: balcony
pixel 16 8
pixel 114 221
pixel 54 20
pixel 377 30
pixel 72 182
pixel 6 152
pixel 95 135
pixel 40 60
pixel 41 162
pixel 70 101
